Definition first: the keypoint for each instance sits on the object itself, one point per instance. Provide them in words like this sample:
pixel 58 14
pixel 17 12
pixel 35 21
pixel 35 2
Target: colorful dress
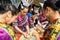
pixel 21 24
pixel 42 19
pixel 6 32
pixel 53 32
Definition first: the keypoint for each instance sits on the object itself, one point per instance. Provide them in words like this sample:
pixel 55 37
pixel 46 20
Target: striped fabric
pixel 21 23
pixel 53 32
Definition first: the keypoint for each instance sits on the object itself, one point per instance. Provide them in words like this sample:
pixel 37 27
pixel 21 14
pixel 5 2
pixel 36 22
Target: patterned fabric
pixel 21 23
pixel 58 36
pixel 42 19
pixel 53 32
pixel 6 32
pixel 33 23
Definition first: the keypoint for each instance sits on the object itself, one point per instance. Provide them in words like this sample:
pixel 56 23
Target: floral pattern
pixel 53 32
pixel 8 30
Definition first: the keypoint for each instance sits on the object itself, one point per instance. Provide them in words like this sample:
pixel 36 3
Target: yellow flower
pixel 11 31
pixel 53 37
pixel 57 28
pixel 59 20
pixel 14 38
pixel 3 25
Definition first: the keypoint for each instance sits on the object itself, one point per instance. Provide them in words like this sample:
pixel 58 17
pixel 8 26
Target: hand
pixel 46 22
pixel 30 33
pixel 25 35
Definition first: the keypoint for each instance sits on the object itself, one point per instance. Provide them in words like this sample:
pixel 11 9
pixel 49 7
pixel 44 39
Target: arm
pixel 15 25
pixel 25 35
pixel 28 31
pixel 19 30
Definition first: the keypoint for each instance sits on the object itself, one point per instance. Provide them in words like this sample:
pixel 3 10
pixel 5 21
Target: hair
pixel 21 7
pixel 40 9
pixel 13 9
pixel 49 4
pixel 58 4
pixel 2 12
pixel 30 7
pixel 9 7
pixel 33 13
pixel 2 9
pixel 24 8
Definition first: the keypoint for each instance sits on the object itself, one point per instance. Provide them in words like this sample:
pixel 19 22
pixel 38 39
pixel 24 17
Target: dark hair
pixel 58 4
pixel 8 7
pixel 2 12
pixel 21 7
pixel 24 7
pixel 2 9
pixel 50 4
pixel 40 9
pixel 33 13
pixel 30 7
pixel 12 8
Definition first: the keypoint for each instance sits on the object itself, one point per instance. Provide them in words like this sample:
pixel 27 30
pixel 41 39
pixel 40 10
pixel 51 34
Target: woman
pixel 22 26
pixel 51 12
pixel 11 14
pixel 6 31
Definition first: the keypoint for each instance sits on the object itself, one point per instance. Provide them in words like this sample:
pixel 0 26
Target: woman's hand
pixel 25 35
